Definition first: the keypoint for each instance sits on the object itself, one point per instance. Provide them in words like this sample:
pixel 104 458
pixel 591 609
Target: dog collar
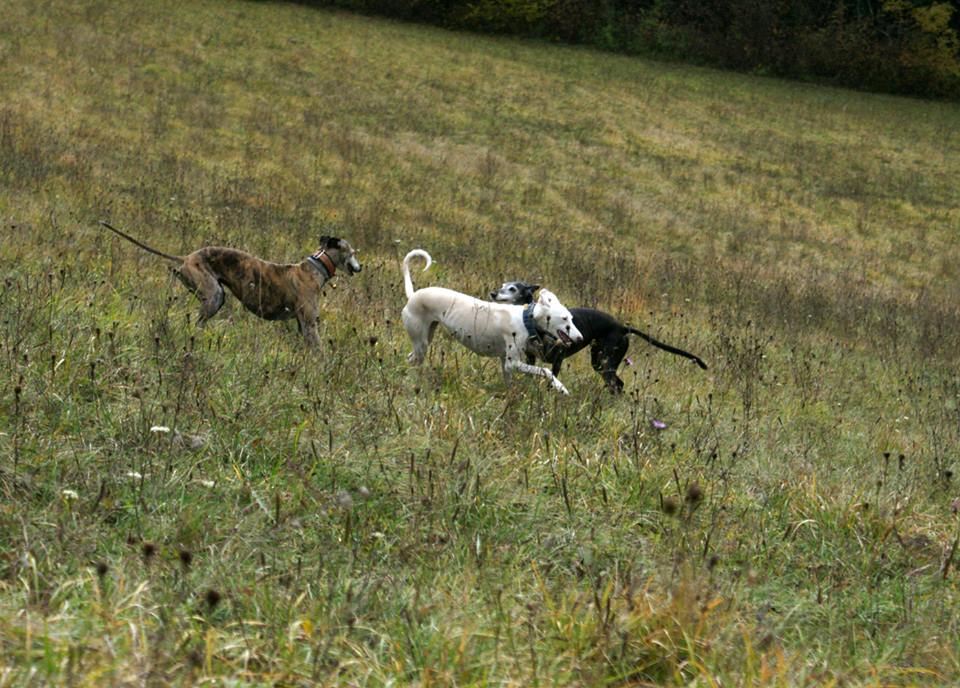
pixel 322 262
pixel 529 323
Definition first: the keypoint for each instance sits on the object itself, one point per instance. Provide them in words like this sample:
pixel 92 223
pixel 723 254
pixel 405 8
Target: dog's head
pixel 517 293
pixel 343 255
pixel 554 318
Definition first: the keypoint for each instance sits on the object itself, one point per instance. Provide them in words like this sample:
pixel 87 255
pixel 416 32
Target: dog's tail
pixel 175 259
pixel 407 281
pixel 667 347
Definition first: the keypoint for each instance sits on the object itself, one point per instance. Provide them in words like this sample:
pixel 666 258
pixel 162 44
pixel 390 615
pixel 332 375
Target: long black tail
pixel 667 347
pixel 175 259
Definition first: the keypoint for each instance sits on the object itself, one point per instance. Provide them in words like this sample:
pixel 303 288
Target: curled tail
pixel 175 259
pixel 407 282
pixel 667 347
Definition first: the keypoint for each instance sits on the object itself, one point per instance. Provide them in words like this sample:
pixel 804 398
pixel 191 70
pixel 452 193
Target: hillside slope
pixel 336 516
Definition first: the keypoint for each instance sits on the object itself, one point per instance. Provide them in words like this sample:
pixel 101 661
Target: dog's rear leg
pixel 606 358
pixel 211 305
pixel 206 288
pixel 421 334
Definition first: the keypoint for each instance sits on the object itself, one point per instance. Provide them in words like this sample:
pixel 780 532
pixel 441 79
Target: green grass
pixel 338 517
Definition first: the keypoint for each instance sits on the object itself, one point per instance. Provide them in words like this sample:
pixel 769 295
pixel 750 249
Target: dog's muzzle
pixel 353 266
pixel 564 338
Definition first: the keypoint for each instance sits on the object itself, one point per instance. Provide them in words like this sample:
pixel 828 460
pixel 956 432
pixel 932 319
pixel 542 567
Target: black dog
pixel 607 337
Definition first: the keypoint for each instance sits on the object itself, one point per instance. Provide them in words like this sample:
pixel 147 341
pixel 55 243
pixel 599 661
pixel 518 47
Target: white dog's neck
pixel 529 318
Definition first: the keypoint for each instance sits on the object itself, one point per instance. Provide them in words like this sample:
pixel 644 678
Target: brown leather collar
pixel 321 255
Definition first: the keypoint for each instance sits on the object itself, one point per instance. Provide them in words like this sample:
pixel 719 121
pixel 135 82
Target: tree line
pixel 897 46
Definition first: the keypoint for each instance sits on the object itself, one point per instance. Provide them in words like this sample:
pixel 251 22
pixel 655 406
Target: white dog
pixel 489 329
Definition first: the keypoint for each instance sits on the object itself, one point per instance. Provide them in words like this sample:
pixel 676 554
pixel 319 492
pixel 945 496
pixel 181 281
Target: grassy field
pixel 338 517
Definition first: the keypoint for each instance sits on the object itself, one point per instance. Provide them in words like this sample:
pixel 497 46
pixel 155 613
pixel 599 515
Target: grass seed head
pixel 212 598
pixel 694 493
pixel 670 505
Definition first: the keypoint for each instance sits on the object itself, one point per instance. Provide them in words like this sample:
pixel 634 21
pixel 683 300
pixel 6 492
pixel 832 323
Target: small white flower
pixel 69 494
pixel 206 483
pixel 159 428
pixel 134 475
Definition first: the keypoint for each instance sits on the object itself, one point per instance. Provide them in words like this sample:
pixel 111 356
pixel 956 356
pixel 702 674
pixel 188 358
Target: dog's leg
pixel 556 360
pixel 511 364
pixel 307 322
pixel 421 334
pixel 205 287
pixel 553 353
pixel 533 350
pixel 596 356
pixel 606 359
pixel 185 281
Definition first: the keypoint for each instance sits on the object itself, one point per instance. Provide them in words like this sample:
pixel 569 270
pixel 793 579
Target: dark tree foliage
pixel 900 46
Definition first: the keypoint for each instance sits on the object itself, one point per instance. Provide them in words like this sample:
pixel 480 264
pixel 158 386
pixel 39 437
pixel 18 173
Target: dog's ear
pixel 546 297
pixel 333 242
pixel 324 239
pixel 532 288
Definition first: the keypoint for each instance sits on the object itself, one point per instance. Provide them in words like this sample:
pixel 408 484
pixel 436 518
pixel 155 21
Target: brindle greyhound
pixel 272 291
pixel 607 337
